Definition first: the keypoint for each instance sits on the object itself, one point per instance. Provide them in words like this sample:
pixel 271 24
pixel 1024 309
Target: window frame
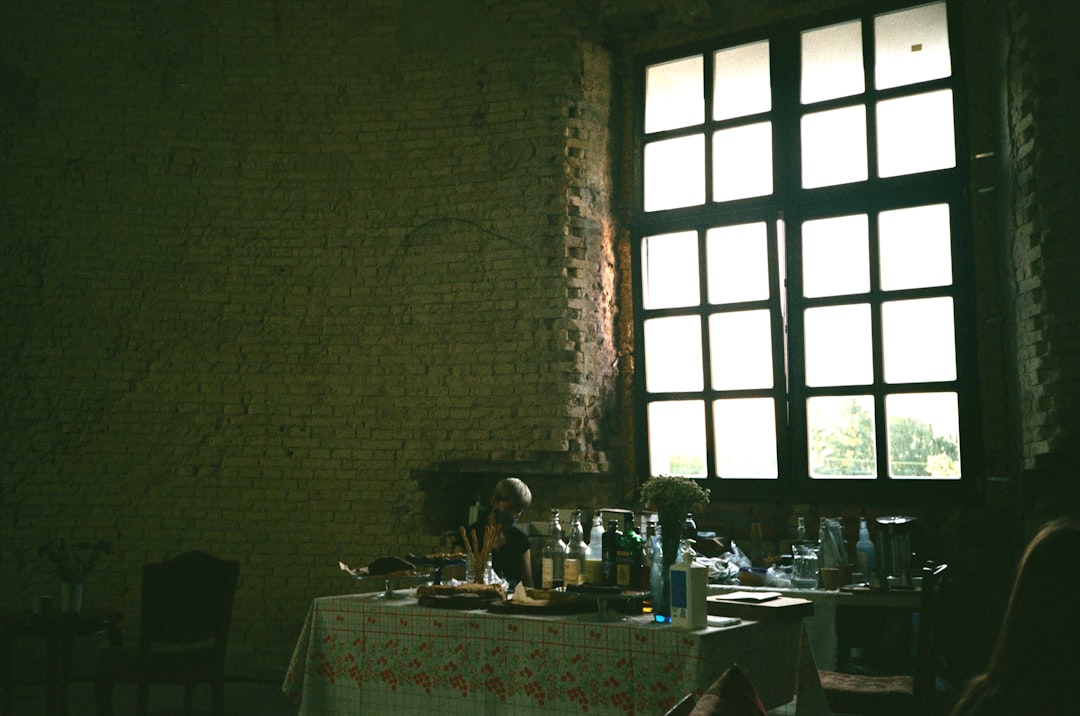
pixel 790 204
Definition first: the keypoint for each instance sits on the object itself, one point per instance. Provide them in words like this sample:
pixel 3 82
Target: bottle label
pixel 547 572
pixel 571 571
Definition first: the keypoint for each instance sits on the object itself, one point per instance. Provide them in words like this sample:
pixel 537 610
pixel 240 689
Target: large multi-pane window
pixel 802 290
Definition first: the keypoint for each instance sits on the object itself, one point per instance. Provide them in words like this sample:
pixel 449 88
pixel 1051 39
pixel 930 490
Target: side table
pixel 58 630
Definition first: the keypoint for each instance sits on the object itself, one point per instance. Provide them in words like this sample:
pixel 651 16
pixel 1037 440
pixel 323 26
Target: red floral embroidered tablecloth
pixel 360 655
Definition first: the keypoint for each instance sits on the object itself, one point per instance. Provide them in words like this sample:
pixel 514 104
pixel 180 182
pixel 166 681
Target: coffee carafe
pixel 895 548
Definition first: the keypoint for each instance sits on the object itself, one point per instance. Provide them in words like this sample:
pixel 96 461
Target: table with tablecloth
pixel 358 654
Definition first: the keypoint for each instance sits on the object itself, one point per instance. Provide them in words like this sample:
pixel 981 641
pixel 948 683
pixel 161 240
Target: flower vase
pixel 71 594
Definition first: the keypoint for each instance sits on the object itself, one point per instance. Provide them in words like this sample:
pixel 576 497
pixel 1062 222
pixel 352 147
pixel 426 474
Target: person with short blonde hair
pixel 512 556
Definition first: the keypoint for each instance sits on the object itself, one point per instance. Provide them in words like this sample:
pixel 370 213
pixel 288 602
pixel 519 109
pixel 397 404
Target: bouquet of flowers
pixel 672 498
pixel 673 495
pixel 74 561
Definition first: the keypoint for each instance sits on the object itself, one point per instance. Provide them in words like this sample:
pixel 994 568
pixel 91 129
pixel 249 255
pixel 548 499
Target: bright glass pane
pixel 674 94
pixel 832 62
pixel 740 347
pixel 677 438
pixel 669 270
pixel 738 263
pixel 742 84
pixel 918 340
pixel 742 162
pixel 915 247
pixel 839 350
pixel 745 435
pixel 924 435
pixel 834 147
pixel 915 134
pixel 840 436
pixel 675 173
pixel 911 46
pixel 673 354
pixel 836 256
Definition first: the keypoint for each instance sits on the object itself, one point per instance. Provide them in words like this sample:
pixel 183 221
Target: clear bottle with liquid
pixel 553 555
pixel 577 551
pixel 594 555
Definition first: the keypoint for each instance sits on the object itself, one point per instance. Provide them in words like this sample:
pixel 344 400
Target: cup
pixel 806 567
pixel 830 578
pixel 43 605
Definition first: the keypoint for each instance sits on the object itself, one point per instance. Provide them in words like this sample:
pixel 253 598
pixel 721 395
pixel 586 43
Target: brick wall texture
pixel 263 264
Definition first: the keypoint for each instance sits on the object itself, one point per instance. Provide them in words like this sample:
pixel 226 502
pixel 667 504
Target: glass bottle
pixel 596 538
pixel 608 555
pixel 577 551
pixel 628 557
pixel 553 556
pixel 864 551
pixel 661 610
pixel 594 556
pixel 689 530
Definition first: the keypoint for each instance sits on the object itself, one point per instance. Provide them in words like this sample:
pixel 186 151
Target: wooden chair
pixel 900 694
pixel 733 694
pixel 186 610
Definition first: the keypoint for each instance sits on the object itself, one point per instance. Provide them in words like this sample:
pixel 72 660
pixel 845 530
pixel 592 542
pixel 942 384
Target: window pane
pixel 916 248
pixel 924 435
pixel 675 173
pixel 677 438
pixel 673 354
pixel 738 263
pixel 918 340
pixel 840 435
pixel 911 46
pixel 838 346
pixel 745 432
pixel 669 270
pixel 674 94
pixel 740 349
pixel 836 256
pixel 742 162
pixel 832 62
pixel 742 83
pixel 915 134
pixel 834 147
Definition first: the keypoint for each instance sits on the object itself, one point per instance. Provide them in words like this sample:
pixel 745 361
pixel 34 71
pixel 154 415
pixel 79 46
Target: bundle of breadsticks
pixel 478 551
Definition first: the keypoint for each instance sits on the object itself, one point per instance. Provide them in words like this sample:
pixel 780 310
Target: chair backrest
pixel 188 599
pixel 926 644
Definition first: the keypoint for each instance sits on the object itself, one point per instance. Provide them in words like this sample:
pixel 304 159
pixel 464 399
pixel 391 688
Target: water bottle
pixel 864 551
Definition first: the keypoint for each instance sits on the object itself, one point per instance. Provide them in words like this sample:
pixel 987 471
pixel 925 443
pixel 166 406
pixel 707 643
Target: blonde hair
pixel 514 491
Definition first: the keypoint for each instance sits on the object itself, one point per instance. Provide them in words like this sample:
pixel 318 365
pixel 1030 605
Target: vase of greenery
pixel 73 562
pixel 671 498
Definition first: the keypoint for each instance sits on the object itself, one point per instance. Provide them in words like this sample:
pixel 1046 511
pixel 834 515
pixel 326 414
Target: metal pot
pixel 895 547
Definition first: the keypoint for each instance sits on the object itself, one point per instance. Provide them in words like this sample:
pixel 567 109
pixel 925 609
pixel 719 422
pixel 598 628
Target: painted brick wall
pixel 264 262
pixel 1043 109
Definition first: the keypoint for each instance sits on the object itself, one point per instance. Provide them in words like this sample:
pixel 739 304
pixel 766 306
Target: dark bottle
pixel 628 557
pixel 609 553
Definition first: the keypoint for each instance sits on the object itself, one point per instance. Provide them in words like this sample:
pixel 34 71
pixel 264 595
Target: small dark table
pixel 59 631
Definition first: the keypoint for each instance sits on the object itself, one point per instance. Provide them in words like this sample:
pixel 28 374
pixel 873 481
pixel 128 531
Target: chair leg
pixel 217 691
pixel 103 695
pixel 142 699
pixel 189 697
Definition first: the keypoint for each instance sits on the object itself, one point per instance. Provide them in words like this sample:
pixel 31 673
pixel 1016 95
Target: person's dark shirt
pixel 505 560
